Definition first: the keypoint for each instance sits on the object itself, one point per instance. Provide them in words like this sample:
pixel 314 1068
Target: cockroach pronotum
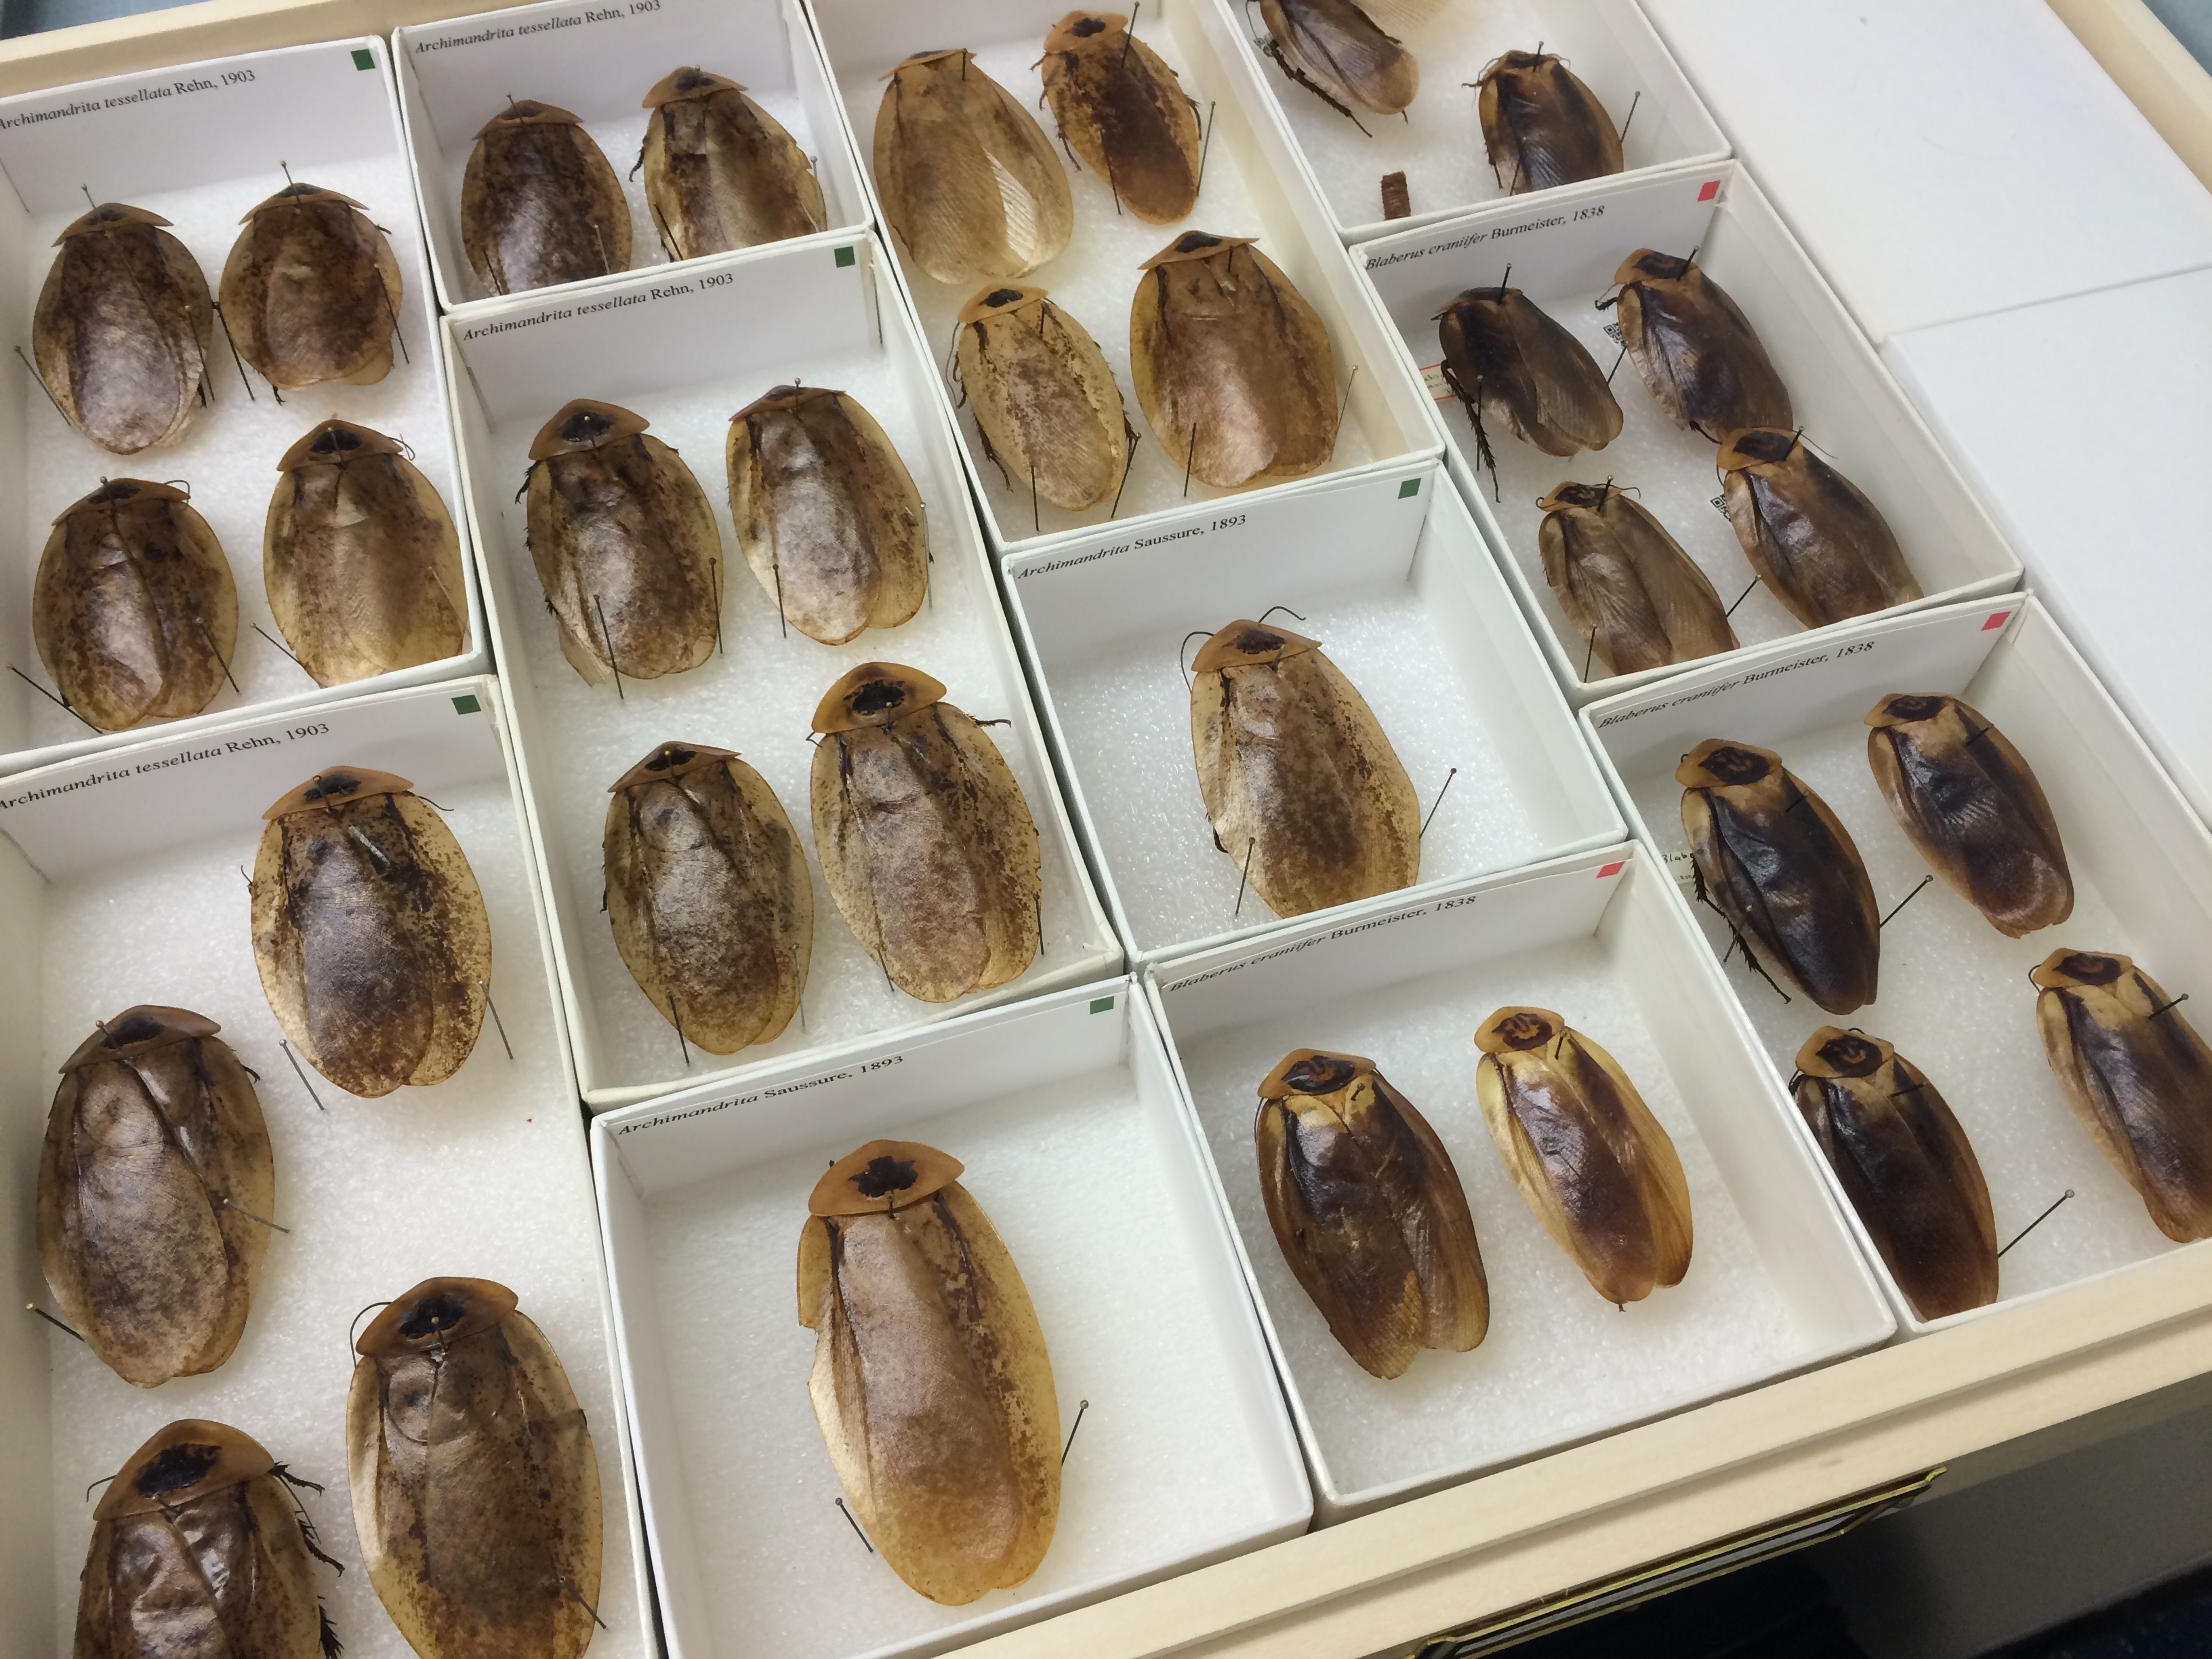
pixel 1694 348
pixel 1624 583
pixel 720 173
pixel 1504 359
pixel 1542 126
pixel 311 291
pixel 1045 402
pixel 1333 49
pixel 1817 543
pixel 540 203
pixel 1122 110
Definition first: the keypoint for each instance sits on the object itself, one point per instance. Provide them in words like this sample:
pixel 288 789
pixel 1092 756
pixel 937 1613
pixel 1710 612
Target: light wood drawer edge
pixel 2156 72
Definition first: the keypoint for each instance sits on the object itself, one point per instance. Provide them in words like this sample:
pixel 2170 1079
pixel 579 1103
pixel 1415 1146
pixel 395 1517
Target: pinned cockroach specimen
pixel 133 610
pixel 624 544
pixel 155 1190
pixel 370 932
pixel 931 1383
pixel 1122 110
pixel 1965 797
pixel 1305 794
pixel 720 173
pixel 1905 1165
pixel 1232 367
pixel 1624 583
pixel 476 1490
pixel 827 513
pixel 1369 1212
pixel 123 328
pixel 540 203
pixel 310 291
pixel 967 179
pixel 1783 870
pixel 1505 359
pixel 1541 125
pixel 198 1548
pixel 1592 1163
pixel 1333 50
pixel 1045 401
pixel 927 843
pixel 2138 1077
pixel 1695 350
pixel 708 895
pixel 361 560
pixel 1816 541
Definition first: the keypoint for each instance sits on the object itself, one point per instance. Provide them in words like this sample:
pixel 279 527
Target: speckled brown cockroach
pixel 540 203
pixel 370 932
pixel 1819 545
pixel 359 558
pixel 1334 50
pixel 925 840
pixel 1046 404
pixel 931 1383
pixel 310 291
pixel 1542 126
pixel 155 1190
pixel 1694 348
pixel 1504 359
pixel 133 611
pixel 476 1488
pixel 1783 870
pixel 827 513
pixel 1624 583
pixel 1368 1211
pixel 122 330
pixel 1122 110
pixel 720 173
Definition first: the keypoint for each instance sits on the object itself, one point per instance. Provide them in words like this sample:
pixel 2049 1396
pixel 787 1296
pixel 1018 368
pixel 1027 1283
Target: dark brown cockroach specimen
pixel 1369 1214
pixel 1232 367
pixel 476 1490
pixel 1968 800
pixel 1304 792
pixel 1905 1165
pixel 1506 360
pixel 967 179
pixel 720 173
pixel 1121 109
pixel 927 843
pixel 1045 404
pixel 1695 350
pixel 370 932
pixel 1624 583
pixel 2138 1077
pixel 708 893
pixel 133 610
pixel 310 291
pixel 827 513
pixel 1333 50
pixel 123 328
pixel 361 559
pixel 624 545
pixel 155 1190
pixel 1817 542
pixel 540 203
pixel 1783 870
pixel 1541 125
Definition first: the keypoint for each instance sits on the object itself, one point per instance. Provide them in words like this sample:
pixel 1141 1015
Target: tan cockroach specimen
pixel 1369 1212
pixel 1232 367
pixel 1624 583
pixel 540 203
pixel 155 1187
pixel 1334 50
pixel 1817 542
pixel 370 932
pixel 931 1381
pixel 310 291
pixel 1695 349
pixel 1542 126
pixel 967 179
pixel 1591 1161
pixel 826 512
pixel 927 843
pixel 1122 110
pixel 624 545
pixel 133 611
pixel 361 559
pixel 1045 404
pixel 123 329
pixel 1505 359
pixel 720 173
pixel 476 1489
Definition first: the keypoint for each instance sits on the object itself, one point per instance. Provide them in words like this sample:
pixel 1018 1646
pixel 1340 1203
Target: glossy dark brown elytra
pixel 1334 50
pixel 1819 546
pixel 1506 360
pixel 1694 349
pixel 1542 126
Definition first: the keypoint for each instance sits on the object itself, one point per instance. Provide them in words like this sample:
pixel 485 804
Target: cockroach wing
pixel 1542 126
pixel 1335 48
pixel 1044 400
pixel 1817 542
pixel 122 330
pixel 311 291
pixel 1123 112
pixel 721 172
pixel 1625 585
pixel 540 203
pixel 1695 351
pixel 1506 359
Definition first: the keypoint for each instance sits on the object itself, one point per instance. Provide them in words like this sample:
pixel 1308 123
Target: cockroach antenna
pixel 356 1325
pixel 1194 634
pixel 1272 609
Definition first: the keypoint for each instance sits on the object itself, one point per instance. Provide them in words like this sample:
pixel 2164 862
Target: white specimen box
pixel 598 59
pixel 1393 578
pixel 201 145
pixel 1954 997
pixel 121 884
pixel 688 351
pixel 1064 1110
pixel 1249 186
pixel 1563 257
pixel 1774 1283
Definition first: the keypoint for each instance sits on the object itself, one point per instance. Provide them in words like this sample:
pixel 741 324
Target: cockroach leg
pixel 1245 878
pixel 1741 598
pixel 34 1307
pixel 59 702
pixel 40 379
pixel 301 1072
pixel 1907 900
pixel 1439 801
pixel 854 1525
pixel 498 1025
pixel 279 1226
pixel 2039 1220
pixel 1081 1406
pixel 1275 52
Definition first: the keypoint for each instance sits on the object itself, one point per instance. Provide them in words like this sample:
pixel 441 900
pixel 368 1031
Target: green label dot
pixel 1102 1005
pixel 363 58
pixel 467 704
pixel 845 257
pixel 1411 487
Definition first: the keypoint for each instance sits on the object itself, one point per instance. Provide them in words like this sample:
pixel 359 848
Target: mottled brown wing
pixel 1647 1151
pixel 1047 404
pixel 721 174
pixel 968 180
pixel 1439 1232
pixel 1335 48
pixel 121 334
pixel 1123 112
pixel 1544 128
pixel 1628 590
pixel 1817 542
pixel 1572 407
pixel 540 204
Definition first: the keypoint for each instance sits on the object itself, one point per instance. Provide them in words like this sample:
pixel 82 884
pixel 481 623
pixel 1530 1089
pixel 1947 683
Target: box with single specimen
pixel 782 765
pixel 231 480
pixel 1527 1106
pixel 292 1123
pixel 1097 1411
pixel 1964 909
pixel 562 143
pixel 1672 430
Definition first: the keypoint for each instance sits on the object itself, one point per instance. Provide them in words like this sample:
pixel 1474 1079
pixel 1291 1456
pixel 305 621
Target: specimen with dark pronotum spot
pixel 310 291
pixel 1695 349
pixel 1506 360
pixel 1124 114
pixel 1333 49
pixel 1625 585
pixel 1542 126
pixel 1047 405
pixel 1817 542
pixel 540 203
pixel 720 173
pixel 930 1381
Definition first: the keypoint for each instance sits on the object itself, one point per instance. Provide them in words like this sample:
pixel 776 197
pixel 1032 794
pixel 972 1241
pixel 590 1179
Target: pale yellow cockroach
pixel 1046 404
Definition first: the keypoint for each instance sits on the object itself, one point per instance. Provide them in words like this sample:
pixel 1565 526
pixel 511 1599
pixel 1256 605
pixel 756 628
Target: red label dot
pixel 1613 869
pixel 1996 620
pixel 1709 189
